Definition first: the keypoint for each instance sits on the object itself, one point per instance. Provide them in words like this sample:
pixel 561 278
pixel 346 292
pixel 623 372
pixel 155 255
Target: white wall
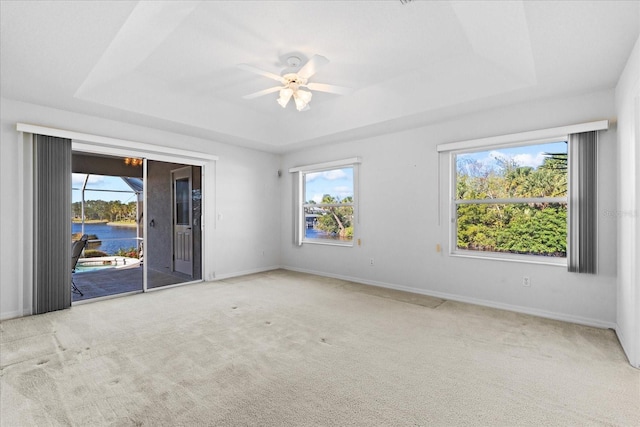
pixel 246 217
pixel 399 177
pixel 628 112
pixel 400 224
pixel 399 185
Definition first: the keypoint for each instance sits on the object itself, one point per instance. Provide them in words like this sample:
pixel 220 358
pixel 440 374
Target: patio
pixel 96 284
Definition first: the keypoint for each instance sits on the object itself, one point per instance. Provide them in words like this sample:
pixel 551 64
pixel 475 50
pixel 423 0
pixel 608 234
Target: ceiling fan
pixel 293 81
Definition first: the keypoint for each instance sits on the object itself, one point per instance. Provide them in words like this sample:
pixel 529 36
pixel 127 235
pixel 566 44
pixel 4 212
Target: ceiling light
pixel 302 98
pixel 285 96
pixel 132 161
pixel 292 79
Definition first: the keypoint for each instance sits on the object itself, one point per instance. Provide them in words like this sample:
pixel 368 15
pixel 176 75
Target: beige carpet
pixel 288 349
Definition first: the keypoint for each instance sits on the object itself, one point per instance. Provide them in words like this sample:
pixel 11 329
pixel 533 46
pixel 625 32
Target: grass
pixel 89 221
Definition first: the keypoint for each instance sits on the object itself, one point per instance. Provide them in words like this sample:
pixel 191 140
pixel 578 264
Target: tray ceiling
pixel 173 65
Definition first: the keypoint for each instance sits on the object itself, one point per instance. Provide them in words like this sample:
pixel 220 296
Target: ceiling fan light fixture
pixel 302 98
pixel 293 80
pixel 285 96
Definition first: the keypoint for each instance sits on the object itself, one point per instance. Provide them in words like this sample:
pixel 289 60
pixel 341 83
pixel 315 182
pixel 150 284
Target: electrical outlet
pixel 526 281
pixel 371 261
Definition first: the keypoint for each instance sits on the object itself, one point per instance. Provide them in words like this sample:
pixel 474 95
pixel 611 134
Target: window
pixel 328 206
pixel 325 203
pixel 506 205
pixel 512 201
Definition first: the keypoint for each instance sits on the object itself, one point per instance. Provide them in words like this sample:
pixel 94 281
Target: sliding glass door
pixel 173 253
pixel 142 219
pixel 107 206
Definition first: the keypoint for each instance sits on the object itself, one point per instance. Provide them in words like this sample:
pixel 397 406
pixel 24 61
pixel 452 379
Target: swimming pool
pixel 104 263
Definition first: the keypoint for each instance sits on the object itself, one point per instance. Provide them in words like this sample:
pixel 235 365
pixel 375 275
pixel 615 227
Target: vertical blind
pixel 298 215
pixel 52 224
pixel 582 232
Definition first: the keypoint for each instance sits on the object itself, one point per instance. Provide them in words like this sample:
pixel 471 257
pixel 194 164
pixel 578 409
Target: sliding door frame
pixel 95 144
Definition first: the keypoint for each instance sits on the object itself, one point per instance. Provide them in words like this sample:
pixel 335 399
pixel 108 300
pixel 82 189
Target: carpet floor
pixel 290 349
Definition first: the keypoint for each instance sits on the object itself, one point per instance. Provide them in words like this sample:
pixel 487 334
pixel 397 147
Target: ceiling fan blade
pixel 263 92
pixel 264 73
pixel 321 87
pixel 312 66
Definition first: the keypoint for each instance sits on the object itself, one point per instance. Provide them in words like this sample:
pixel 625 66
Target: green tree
pixel 336 220
pixel 535 230
pixel 538 228
pixel 113 210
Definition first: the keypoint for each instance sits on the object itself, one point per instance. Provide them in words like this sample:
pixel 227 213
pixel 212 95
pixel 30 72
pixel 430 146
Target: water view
pixel 314 233
pixel 125 235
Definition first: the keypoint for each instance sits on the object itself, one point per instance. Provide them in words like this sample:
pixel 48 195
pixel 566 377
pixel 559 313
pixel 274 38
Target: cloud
pixel 490 161
pixel 78 179
pixel 343 191
pixel 471 166
pixel 522 159
pixel 334 174
pixel 529 159
pixel 330 175
pixel 495 154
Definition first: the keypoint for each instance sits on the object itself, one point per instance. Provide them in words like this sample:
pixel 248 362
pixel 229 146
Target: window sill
pixel 327 243
pixel 525 259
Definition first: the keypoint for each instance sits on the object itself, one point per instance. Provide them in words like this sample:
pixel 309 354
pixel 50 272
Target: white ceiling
pixel 173 65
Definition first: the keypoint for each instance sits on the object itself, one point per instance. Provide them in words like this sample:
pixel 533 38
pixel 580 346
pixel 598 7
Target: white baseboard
pixel 443 295
pixel 14 314
pixel 245 272
pixel 11 315
pixel 586 321
pixel 625 347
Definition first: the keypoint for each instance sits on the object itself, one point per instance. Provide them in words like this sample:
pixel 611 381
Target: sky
pixel 528 155
pixel 102 183
pixel 337 182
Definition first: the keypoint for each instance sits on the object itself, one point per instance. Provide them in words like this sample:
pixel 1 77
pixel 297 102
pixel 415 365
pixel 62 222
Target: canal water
pixel 125 235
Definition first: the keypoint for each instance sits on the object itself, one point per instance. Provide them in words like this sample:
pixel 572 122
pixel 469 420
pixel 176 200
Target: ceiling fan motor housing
pixel 293 81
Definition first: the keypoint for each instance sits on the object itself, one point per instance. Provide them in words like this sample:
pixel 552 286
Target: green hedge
pixel 94 253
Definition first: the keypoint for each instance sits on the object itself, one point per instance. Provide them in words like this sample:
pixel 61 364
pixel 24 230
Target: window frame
pixel 299 219
pixel 454 203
